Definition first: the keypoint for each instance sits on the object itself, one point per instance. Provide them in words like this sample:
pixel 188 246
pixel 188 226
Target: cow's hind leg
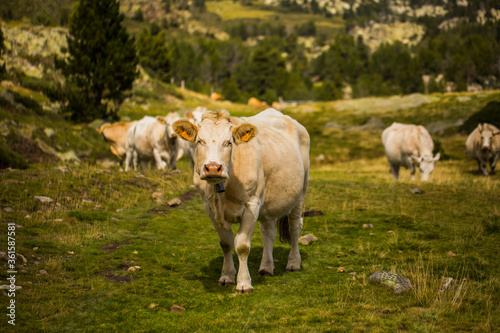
pixel 268 230
pixel 493 164
pixel 295 226
pixel 394 168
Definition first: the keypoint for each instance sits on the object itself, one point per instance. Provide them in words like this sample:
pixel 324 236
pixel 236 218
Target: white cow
pixel 249 169
pixel 152 139
pixel 185 147
pixel 483 144
pixel 407 146
pixel 116 135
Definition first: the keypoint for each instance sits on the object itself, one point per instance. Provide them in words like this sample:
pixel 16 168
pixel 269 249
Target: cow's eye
pixel 200 142
pixel 227 144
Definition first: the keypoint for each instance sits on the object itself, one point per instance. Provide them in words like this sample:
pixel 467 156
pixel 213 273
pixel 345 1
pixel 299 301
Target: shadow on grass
pixel 209 274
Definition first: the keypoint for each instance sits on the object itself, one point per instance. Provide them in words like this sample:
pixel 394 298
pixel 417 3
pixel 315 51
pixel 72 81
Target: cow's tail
pixel 284 230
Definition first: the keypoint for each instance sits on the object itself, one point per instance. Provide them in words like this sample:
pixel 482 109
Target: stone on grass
pixel 158 197
pixel 341 270
pixel 7 287
pixel 447 282
pixel 174 202
pixel 396 282
pixel 62 168
pixel 43 199
pixel 177 308
pixel 305 240
pixel 416 190
pixel 8 209
pixel 368 226
pixel 43 272
pixel 134 268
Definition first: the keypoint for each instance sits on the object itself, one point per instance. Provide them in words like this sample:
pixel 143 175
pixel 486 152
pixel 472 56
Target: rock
pixel 368 226
pixel 341 270
pixel 334 125
pixel 43 272
pixel 152 306
pixel 320 158
pixel 8 209
pixel 70 155
pixel 43 199
pixel 416 190
pixel 114 219
pixel 176 172
pixel 49 132
pixel 62 168
pixel 71 252
pixel 134 268
pixel 305 240
pixel 177 308
pixel 7 287
pixel 174 202
pixel 463 99
pixel 451 254
pixel 35 248
pixel 396 282
pixel 135 252
pixel 158 197
pixel 447 282
pixel 120 210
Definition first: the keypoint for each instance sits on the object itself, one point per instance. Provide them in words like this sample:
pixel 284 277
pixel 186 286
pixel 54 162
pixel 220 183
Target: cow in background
pixel 152 139
pixel 483 145
pixel 249 169
pixel 116 135
pixel 409 146
pixel 187 148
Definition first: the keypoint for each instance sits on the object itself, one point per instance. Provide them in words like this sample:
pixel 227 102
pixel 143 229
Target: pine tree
pixel 102 59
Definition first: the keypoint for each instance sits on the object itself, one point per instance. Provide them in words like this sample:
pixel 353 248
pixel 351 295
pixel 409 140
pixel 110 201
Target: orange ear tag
pixel 185 135
pixel 246 137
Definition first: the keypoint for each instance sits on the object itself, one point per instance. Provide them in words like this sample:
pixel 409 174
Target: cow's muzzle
pixel 485 148
pixel 212 170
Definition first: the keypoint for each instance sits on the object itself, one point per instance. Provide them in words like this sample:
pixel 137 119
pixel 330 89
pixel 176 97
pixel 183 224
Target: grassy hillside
pixel 78 248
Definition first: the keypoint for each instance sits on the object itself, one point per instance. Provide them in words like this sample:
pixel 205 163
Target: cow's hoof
pixel 225 282
pixel 293 268
pixel 244 290
pixel 264 272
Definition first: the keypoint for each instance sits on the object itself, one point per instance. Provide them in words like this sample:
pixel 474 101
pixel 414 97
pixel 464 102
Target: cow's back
pixel 284 150
pixel 402 139
pixel 116 135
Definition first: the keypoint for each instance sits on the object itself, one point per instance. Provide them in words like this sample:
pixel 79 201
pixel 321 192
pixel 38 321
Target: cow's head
pixel 426 165
pixel 168 120
pixel 215 137
pixel 487 135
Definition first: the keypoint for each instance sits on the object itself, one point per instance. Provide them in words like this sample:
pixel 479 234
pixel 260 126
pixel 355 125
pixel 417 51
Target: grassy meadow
pixel 78 249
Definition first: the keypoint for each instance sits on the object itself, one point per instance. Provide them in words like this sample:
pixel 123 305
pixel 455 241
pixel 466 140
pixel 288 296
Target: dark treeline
pixel 278 66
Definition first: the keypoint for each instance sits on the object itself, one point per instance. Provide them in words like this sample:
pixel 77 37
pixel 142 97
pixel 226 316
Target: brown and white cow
pixel 152 139
pixel 483 144
pixel 116 135
pixel 407 146
pixel 249 169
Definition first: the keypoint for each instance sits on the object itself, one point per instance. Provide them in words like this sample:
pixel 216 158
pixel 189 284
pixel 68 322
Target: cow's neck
pixel 218 206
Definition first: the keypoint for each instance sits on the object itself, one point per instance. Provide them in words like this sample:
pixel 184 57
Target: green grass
pixel 103 221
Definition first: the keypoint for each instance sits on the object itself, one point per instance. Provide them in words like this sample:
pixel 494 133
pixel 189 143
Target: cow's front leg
pixel 493 164
pixel 482 167
pixel 159 162
pixel 226 241
pixel 268 230
pixel 394 168
pixel 412 168
pixel 242 245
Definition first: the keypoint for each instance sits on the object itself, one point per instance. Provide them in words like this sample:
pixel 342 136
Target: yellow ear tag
pixel 246 137
pixel 185 135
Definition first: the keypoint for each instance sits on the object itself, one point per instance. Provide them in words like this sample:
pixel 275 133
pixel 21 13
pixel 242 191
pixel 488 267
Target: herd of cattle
pixel 257 169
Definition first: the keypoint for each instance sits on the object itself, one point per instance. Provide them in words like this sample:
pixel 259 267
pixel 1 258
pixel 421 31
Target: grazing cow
pixel 249 169
pixel 116 135
pixel 409 145
pixel 152 139
pixel 185 147
pixel 483 144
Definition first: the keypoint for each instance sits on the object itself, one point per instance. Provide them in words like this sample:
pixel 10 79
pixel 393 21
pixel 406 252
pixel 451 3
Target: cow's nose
pixel 213 169
pixel 486 148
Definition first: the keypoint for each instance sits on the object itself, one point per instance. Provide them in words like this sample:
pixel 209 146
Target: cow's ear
pixel 480 128
pixel 189 115
pixel 161 119
pixel 185 130
pixel 244 133
pixel 437 157
pixel 497 134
